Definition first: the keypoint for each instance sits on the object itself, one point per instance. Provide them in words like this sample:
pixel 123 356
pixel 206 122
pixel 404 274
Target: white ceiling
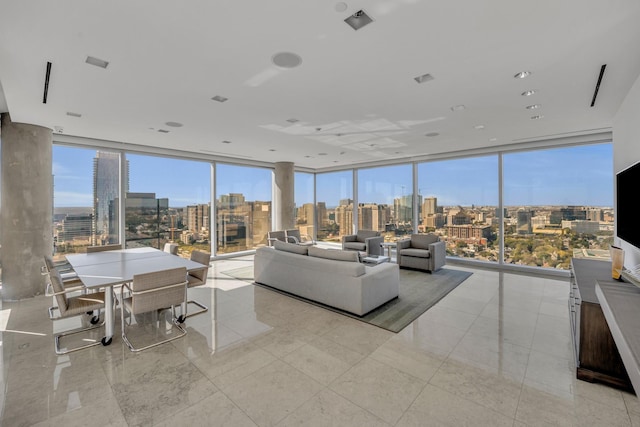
pixel 354 94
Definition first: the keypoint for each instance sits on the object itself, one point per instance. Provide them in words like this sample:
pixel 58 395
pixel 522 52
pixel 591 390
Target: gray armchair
pixel 368 241
pixel 422 251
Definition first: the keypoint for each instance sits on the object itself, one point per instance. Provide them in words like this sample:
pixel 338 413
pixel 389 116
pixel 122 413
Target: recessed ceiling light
pixel 293 120
pixel 272 149
pixel 423 78
pixel 69 113
pixel 219 98
pixel 458 107
pixel 478 127
pixel 286 60
pixel 431 134
pixel 532 106
pixel 322 154
pixel 538 117
pixel 97 62
pixel 335 161
pixel 174 124
pixel 307 157
pixel 226 142
pixel 493 139
pixel 522 74
pixel 163 131
pixel 358 20
pixel 343 152
pixel 528 92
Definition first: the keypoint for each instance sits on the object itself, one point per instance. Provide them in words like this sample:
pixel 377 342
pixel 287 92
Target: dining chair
pixel 102 248
pixel 150 292
pixel 294 236
pixel 69 306
pixel 171 248
pixel 68 276
pixel 197 277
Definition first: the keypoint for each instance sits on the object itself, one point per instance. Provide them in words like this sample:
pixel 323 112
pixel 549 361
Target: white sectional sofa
pixel 332 277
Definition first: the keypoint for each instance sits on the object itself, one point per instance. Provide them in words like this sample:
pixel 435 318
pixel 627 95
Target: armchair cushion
pixel 290 247
pixel 420 253
pixel 355 246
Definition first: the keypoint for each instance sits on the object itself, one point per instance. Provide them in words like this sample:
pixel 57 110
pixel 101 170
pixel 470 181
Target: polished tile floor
pixel 495 351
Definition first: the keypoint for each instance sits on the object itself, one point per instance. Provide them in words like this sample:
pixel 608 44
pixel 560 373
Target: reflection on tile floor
pixel 495 351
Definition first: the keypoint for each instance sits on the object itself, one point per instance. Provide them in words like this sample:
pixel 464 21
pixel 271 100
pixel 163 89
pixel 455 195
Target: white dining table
pixel 103 270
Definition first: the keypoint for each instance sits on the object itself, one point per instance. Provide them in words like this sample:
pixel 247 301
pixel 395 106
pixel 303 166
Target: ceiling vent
pixel 97 62
pixel 358 20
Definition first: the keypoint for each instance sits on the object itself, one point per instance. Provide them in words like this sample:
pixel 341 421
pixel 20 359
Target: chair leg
pixel 136 349
pixel 58 337
pixel 203 309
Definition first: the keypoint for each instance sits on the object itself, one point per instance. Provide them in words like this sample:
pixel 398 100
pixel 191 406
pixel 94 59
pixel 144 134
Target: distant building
pixel 76 228
pixel 523 217
pixel 106 189
pixel 469 231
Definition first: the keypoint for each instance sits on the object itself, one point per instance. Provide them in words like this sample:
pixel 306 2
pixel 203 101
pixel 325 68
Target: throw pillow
pixel 334 254
pixel 290 247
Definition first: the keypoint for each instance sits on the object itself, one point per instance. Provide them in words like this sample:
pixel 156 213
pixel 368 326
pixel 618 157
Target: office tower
pixel 430 206
pixel 524 221
pixel 75 228
pixel 106 188
pixel 403 208
pixel 344 219
pixel 323 217
pixel 198 217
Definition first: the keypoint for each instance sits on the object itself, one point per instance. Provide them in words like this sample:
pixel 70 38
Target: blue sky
pixel 563 176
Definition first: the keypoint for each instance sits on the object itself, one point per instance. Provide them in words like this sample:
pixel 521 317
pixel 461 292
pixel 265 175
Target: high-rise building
pixel 106 188
pixel 524 221
pixel 323 217
pixel 75 228
pixel 344 219
pixel 372 216
pixel 198 217
pixel 430 206
pixel 403 208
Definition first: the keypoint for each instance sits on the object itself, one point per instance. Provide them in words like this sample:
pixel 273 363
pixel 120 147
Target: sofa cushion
pixel 333 254
pixel 355 246
pixel 363 235
pixel 422 241
pixel 418 253
pixel 290 247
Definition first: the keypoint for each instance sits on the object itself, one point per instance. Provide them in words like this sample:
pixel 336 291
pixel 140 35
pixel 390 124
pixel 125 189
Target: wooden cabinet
pixel 597 357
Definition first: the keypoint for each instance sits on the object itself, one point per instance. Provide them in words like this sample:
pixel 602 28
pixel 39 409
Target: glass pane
pixel 385 200
pixel 243 207
pixel 303 192
pixel 169 201
pixel 85 199
pixel 559 205
pixel 334 208
pixel 460 201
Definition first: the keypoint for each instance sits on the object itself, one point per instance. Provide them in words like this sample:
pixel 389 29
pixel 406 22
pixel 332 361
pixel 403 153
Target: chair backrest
pixel 278 235
pixel 56 284
pixel 102 248
pixel 422 241
pixel 295 233
pixel 160 289
pixel 362 235
pixel 203 258
pixel 171 248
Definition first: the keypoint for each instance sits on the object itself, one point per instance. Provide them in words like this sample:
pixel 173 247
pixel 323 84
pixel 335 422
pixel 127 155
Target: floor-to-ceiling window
pixel 459 199
pixel 86 191
pixel 334 205
pixel 169 200
pixel 243 207
pixel 385 200
pixel 558 205
pixel 304 206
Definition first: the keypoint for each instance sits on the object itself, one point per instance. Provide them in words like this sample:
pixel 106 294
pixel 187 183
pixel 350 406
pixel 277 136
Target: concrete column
pixel 26 208
pixel 283 197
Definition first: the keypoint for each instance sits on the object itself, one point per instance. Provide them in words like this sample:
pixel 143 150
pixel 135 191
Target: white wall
pixel 626 151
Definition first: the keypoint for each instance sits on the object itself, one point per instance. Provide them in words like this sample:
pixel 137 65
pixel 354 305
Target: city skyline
pixel 569 177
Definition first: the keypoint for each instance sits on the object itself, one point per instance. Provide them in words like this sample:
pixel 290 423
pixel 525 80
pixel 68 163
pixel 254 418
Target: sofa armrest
pixel 438 252
pixel 374 245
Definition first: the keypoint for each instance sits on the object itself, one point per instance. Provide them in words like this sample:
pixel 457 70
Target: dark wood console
pixel 597 357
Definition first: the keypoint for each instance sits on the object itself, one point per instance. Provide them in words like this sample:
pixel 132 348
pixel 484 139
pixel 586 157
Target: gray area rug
pixel 419 291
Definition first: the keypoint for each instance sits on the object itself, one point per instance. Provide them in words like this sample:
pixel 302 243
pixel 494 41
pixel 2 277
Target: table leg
pixel 109 316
